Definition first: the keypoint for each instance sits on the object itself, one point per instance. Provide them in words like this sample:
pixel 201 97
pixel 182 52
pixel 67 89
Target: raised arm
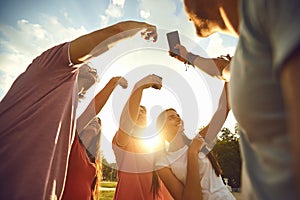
pixel 210 131
pixel 129 116
pixel 96 105
pixel 216 67
pixel 84 47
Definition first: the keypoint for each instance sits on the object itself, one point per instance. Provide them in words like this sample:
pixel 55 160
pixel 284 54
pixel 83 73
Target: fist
pixel 151 80
pixel 123 82
pixel 150 33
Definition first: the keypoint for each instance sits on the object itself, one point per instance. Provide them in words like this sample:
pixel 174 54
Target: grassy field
pixel 108 184
pixel 109 194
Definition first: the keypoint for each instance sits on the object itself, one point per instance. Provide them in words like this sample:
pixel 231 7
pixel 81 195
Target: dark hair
pixel 155 185
pixel 215 164
pixel 160 121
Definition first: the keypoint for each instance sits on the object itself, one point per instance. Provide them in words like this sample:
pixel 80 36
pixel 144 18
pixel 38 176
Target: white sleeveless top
pixel 213 187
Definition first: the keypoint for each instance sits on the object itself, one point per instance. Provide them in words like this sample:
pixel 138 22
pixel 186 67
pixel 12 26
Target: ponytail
pixel 215 164
pixel 155 185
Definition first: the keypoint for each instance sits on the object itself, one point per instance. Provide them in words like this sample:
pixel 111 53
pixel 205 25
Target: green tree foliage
pixel 109 171
pixel 227 152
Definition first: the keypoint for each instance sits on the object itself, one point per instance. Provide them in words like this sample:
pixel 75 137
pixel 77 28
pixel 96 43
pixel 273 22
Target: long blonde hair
pixel 93 152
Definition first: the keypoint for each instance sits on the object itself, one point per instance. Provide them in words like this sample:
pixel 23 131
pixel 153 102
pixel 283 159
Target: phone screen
pixel 173 39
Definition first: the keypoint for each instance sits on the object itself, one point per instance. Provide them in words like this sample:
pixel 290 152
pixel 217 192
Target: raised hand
pixel 183 54
pixel 123 82
pixel 151 80
pixel 196 144
pixel 150 33
pixel 119 80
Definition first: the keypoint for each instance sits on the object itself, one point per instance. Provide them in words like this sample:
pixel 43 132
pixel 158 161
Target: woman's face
pixel 173 125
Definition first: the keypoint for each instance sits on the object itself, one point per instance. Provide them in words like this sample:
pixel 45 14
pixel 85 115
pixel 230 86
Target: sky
pixel 28 29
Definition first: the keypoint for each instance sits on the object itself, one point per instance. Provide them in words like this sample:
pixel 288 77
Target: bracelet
pixel 191 57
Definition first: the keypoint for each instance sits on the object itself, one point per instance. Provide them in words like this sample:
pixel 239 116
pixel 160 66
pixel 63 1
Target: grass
pixel 107 195
pixel 109 184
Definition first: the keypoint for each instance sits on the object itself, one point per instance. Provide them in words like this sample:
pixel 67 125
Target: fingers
pixel 123 82
pixel 150 33
pixel 196 144
pixel 182 50
pixel 157 80
pixel 178 46
pixel 151 80
pixel 178 57
pixel 172 54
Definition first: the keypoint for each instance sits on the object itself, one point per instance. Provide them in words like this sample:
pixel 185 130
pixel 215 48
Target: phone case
pixel 173 39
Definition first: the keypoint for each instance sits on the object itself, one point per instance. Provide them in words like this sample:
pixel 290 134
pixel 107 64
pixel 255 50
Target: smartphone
pixel 173 39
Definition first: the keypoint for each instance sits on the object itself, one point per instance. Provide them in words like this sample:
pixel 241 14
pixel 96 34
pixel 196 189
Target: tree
pixel 109 172
pixel 227 152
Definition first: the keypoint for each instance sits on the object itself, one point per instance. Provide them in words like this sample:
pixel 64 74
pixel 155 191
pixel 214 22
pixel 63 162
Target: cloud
pixel 119 2
pixel 168 14
pixel 216 46
pixel 114 10
pixel 22 44
pixel 144 14
pixel 104 20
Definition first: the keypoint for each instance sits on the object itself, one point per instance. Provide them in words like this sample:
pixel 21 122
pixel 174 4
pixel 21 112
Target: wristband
pixel 191 57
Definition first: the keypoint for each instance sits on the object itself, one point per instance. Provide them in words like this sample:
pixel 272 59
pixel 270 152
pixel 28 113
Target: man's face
pixel 205 15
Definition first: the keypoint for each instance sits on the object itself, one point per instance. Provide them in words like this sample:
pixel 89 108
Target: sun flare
pixel 153 144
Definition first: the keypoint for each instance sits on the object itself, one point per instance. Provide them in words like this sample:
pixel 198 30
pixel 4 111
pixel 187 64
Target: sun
pixel 152 144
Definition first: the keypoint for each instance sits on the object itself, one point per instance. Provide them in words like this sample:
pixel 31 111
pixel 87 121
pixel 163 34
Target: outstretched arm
pixel 130 111
pixel 96 105
pixel 84 47
pixel 216 67
pixel 210 131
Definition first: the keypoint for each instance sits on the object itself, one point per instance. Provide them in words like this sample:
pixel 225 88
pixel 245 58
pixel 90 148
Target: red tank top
pixel 80 175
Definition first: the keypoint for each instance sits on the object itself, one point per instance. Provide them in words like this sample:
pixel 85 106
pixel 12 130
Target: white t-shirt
pixel 212 185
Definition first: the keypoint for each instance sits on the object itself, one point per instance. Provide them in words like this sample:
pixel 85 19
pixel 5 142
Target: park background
pixel 28 29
